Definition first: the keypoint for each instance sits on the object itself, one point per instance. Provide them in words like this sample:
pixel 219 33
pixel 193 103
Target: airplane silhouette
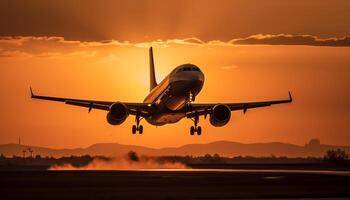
pixel 168 102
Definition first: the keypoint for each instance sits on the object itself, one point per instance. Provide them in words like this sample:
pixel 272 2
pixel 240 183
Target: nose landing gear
pixel 137 127
pixel 196 128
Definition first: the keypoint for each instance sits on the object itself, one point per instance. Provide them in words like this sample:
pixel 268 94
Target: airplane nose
pixel 187 82
pixel 197 76
pixel 196 83
pixel 201 76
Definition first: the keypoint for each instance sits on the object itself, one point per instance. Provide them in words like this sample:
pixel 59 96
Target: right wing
pixel 206 108
pixel 144 109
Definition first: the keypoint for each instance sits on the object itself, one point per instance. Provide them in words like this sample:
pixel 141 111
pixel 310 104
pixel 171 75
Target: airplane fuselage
pixel 173 93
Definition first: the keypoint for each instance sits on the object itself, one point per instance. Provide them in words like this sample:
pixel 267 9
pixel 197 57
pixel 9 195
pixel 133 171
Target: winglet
pixel 290 97
pixel 31 92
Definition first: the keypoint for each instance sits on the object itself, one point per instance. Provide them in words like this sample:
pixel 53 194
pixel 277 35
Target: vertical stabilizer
pixel 153 82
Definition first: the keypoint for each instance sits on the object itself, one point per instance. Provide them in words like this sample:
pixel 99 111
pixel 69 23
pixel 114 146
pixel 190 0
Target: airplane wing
pixel 204 109
pixel 142 108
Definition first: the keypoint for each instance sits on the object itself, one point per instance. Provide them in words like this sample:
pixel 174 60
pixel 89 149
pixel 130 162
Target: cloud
pixel 49 47
pixel 284 39
pixel 13 53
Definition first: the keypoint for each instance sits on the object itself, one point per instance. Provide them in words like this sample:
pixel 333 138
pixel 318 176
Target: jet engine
pixel 220 115
pixel 117 114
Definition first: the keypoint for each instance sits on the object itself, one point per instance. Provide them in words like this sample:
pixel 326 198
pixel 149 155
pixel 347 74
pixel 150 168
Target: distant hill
pixel 224 148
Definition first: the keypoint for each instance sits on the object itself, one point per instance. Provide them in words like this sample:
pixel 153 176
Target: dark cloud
pixel 149 20
pixel 54 46
pixel 282 39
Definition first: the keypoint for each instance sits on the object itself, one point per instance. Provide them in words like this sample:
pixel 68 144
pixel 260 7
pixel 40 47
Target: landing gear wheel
pixel 192 130
pixel 137 127
pixel 140 129
pixel 196 128
pixel 199 130
pixel 134 129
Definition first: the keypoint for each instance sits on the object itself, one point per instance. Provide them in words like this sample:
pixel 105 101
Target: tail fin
pixel 153 82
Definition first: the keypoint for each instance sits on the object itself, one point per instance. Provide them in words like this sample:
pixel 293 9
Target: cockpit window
pixel 187 69
pixel 195 69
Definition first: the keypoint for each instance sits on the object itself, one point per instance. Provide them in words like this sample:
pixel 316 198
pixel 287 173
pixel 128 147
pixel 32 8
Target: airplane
pixel 168 102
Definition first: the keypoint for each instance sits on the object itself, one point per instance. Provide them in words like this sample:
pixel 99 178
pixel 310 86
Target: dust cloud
pixel 129 162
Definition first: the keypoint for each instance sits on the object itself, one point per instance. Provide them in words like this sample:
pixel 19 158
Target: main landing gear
pixel 196 128
pixel 137 127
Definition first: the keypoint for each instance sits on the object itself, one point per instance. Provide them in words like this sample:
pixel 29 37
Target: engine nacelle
pixel 220 115
pixel 117 114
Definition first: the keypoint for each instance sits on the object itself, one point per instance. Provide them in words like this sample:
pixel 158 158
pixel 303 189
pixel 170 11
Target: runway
pixel 175 184
pixel 330 172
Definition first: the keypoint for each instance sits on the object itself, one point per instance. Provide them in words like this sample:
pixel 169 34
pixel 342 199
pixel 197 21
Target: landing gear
pixel 192 130
pixel 196 128
pixel 134 129
pixel 137 127
pixel 199 130
pixel 140 129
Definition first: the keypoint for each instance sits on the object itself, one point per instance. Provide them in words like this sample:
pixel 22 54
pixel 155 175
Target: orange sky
pixel 317 76
pixel 147 20
pixel 70 66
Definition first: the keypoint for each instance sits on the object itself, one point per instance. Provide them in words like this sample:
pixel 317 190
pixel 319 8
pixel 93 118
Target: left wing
pixel 204 109
pixel 141 108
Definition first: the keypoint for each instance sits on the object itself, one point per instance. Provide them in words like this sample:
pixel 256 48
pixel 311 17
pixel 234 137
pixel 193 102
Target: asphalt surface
pixel 175 184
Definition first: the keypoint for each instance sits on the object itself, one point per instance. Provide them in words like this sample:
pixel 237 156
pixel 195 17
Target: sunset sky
pixel 249 50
